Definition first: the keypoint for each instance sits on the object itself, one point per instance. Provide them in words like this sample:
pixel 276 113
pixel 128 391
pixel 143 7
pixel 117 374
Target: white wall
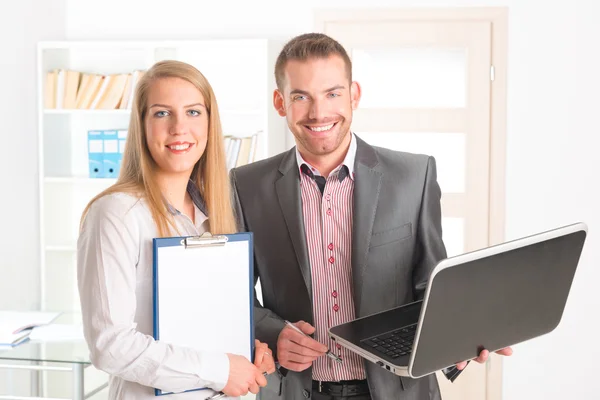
pixel 22 25
pixel 552 137
pixel 553 161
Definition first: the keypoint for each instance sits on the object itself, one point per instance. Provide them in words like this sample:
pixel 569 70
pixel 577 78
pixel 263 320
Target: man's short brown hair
pixel 307 46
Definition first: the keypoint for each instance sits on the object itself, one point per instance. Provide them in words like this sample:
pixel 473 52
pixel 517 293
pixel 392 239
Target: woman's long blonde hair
pixel 138 166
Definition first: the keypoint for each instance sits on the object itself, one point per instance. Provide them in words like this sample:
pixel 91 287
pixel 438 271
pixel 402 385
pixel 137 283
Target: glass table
pixel 38 356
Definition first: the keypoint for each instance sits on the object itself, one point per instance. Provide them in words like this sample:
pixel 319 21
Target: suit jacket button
pixel 306 394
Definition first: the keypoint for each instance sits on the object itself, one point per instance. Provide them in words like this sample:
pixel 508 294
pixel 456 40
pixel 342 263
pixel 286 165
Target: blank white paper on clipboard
pixel 203 293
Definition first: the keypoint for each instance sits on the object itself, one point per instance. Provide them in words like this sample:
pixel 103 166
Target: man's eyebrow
pixel 298 91
pixel 336 87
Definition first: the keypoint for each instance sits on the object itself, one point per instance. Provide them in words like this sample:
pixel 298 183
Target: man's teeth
pixel 321 128
pixel 179 146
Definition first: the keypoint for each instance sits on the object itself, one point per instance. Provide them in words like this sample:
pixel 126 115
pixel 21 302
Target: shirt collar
pixel 348 160
pixel 197 199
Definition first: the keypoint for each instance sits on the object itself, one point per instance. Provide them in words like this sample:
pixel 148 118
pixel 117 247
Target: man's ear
pixel 355 92
pixel 278 102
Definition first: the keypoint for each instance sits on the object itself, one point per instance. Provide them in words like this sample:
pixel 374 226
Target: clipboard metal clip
pixel 206 239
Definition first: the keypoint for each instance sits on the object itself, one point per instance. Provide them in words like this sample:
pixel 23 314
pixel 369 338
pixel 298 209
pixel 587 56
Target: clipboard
pixel 203 293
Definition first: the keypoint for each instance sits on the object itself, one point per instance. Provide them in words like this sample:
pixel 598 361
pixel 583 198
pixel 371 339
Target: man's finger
pixel 300 348
pixel 483 356
pixel 305 341
pixel 507 351
pixel 312 344
pixel 305 327
pixel 461 365
pixel 294 357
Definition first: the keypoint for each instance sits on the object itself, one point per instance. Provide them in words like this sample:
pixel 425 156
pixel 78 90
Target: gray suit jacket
pixel 396 242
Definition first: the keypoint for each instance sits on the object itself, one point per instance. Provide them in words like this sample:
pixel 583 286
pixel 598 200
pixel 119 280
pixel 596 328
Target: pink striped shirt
pixel 328 225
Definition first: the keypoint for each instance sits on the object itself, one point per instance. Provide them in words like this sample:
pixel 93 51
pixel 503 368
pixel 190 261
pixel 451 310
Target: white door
pixel 426 89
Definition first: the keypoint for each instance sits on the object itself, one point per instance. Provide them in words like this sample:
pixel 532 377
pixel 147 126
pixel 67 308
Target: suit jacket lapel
pixel 288 192
pixel 366 195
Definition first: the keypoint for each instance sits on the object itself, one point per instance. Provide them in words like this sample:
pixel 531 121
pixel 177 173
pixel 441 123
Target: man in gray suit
pixel 341 230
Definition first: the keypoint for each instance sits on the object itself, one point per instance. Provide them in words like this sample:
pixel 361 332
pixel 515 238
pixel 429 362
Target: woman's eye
pixel 194 113
pixel 161 114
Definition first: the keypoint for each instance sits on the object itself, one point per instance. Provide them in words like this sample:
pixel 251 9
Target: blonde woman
pixel 173 181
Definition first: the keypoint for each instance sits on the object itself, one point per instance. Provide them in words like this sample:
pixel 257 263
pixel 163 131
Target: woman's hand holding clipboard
pixel 245 378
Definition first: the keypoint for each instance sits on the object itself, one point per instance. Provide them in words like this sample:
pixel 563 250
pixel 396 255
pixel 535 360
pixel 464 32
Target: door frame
pixel 498 17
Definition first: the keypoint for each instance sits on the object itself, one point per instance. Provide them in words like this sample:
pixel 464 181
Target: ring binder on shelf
pixel 209 287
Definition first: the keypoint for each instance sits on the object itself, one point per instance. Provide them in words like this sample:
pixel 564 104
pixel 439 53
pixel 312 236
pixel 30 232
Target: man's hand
pixel 297 352
pixel 483 356
pixel 243 377
pixel 263 358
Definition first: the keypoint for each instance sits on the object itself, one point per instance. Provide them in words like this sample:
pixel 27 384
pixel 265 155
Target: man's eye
pixel 334 95
pixel 299 97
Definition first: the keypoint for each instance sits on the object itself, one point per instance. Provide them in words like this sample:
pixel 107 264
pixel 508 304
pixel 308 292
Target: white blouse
pixel 114 272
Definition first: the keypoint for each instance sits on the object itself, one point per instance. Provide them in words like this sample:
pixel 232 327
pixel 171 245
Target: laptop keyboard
pixel 394 344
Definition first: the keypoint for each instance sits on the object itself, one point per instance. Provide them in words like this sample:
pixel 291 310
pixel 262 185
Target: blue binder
pixel 95 154
pixel 111 154
pixel 122 135
pixel 204 282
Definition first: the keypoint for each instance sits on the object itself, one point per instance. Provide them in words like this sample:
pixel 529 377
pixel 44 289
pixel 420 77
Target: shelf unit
pixel 241 73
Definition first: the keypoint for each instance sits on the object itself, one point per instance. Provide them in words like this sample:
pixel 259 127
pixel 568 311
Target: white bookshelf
pixel 241 73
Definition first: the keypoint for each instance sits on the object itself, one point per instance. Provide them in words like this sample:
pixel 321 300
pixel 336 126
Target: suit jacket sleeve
pixel 267 324
pixel 431 248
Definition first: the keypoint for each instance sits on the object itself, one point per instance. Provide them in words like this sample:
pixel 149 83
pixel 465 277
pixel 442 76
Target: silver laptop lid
pixel 495 297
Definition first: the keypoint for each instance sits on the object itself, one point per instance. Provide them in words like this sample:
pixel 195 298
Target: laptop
pixel 490 298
